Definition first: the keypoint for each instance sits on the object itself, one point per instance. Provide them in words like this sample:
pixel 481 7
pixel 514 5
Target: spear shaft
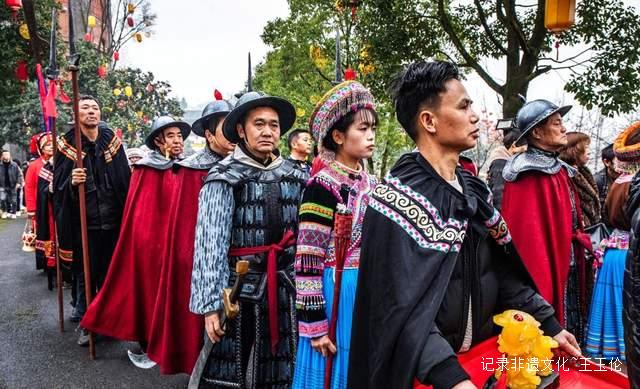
pixel 52 74
pixel 74 62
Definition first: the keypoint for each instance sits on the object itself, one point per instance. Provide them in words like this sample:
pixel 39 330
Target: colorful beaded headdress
pixel 349 96
pixel 627 154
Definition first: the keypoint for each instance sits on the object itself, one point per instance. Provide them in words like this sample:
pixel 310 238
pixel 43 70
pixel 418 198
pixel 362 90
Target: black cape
pixel 414 228
pixel 111 157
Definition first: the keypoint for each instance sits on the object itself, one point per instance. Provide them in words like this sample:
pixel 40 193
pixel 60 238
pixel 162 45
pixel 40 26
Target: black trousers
pixel 102 243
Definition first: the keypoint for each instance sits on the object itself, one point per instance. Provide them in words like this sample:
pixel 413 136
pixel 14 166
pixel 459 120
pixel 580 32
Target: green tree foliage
pixel 301 67
pixel 131 114
pixel 20 108
pixel 604 73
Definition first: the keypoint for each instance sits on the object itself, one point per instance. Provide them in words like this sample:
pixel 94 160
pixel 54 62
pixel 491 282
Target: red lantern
pixel 130 21
pixel 559 15
pixel 15 6
pixel 22 73
pixel 88 37
pixel 350 74
pixel 102 72
pixel 116 56
pixel 119 133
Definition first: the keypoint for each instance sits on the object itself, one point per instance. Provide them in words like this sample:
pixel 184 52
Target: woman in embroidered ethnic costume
pixel 605 328
pixel 343 124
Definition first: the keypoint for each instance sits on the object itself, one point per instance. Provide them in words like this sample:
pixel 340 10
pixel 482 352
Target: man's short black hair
pixel 607 153
pixel 5 151
pixel 510 138
pixel 293 135
pixel 420 84
pixel 88 97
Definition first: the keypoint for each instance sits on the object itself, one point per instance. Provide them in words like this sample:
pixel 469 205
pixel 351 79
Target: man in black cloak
pixel 437 262
pixel 106 177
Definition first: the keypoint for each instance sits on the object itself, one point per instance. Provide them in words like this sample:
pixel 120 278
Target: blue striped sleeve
pixel 213 233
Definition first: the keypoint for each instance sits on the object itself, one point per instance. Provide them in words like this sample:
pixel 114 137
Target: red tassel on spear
pixel 342 235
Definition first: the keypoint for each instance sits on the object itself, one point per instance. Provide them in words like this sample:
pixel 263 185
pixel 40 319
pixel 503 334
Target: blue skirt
pixel 310 364
pixel 605 334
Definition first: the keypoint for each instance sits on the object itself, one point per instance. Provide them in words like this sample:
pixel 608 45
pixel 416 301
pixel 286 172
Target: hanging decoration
pixel 24 31
pixel 366 68
pixel 130 21
pixel 300 112
pixel 128 91
pixel 14 6
pixel 150 88
pixel 88 37
pixel 22 73
pixel 102 71
pixel 91 21
pixel 119 133
pixel 559 15
pixel 117 92
pixel 217 95
pixel 61 94
pixel 317 57
pixel 350 74
pixel 138 37
pixel 116 56
pixel 131 8
pixel 354 4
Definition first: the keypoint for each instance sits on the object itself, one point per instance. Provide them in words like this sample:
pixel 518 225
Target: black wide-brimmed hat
pixel 212 110
pixel 163 122
pixel 535 112
pixel 247 102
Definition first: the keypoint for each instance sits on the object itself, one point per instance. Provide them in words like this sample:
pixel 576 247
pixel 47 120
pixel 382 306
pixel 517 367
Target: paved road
pixel 34 354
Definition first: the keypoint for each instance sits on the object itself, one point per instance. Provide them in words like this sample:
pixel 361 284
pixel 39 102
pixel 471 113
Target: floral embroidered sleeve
pixel 314 234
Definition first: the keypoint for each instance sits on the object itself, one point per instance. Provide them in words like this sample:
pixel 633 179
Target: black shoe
pixel 83 339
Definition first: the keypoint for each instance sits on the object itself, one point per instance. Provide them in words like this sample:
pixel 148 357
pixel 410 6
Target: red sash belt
pixel 272 251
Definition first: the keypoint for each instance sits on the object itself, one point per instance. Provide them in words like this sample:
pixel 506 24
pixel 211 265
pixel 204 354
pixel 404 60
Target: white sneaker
pixel 141 361
pixel 12 216
pixel 4 215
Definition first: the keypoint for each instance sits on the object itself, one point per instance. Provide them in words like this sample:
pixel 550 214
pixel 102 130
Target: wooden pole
pixel 52 74
pixel 74 62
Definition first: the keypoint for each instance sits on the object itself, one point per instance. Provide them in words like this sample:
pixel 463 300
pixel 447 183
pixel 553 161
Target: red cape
pixel 537 209
pixel 123 308
pixel 176 333
pixel 31 184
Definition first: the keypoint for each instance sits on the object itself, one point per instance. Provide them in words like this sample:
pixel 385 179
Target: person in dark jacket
pixel 11 181
pixel 105 177
pixel 631 293
pixel 605 178
pixel 576 154
pixel 499 158
pixel 437 262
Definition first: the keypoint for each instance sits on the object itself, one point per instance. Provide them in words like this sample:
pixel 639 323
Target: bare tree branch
pixel 473 63
pixel 567 59
pixel 490 35
pixel 538 72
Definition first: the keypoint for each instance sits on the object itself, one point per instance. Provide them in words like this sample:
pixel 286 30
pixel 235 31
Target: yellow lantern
pixel 138 37
pixel 559 15
pixel 91 21
pixel 300 112
pixel 117 92
pixel 139 114
pixel 128 91
pixel 131 8
pixel 24 31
